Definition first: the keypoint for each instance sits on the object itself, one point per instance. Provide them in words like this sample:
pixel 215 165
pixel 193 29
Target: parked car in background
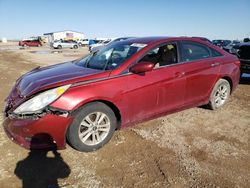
pixel 229 47
pixel 221 43
pixel 242 50
pixel 99 43
pixel 30 43
pixel 64 44
pixel 83 42
pixel 246 40
pixel 87 42
pixel 130 81
pixel 94 48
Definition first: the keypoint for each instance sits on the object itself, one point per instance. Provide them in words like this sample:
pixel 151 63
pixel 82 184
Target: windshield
pixel 110 57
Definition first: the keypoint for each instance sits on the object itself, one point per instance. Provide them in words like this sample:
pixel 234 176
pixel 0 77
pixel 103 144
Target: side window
pixel 215 53
pixel 193 51
pixel 162 55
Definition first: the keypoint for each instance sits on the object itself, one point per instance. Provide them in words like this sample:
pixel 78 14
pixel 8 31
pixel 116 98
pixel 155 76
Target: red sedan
pixel 30 43
pixel 86 100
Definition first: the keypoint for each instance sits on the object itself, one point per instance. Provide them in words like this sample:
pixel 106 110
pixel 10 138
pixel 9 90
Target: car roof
pixel 244 44
pixel 148 40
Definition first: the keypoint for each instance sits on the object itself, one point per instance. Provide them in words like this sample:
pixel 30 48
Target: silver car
pixel 98 46
pixel 64 44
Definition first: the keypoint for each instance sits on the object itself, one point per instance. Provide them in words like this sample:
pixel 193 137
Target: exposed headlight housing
pixel 41 100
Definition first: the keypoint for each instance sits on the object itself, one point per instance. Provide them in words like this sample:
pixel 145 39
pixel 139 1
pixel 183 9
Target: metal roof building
pixel 64 35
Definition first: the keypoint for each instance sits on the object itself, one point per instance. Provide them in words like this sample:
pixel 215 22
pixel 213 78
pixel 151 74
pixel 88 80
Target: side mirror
pixel 141 67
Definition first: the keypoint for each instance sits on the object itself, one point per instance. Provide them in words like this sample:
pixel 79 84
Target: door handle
pixel 179 74
pixel 215 64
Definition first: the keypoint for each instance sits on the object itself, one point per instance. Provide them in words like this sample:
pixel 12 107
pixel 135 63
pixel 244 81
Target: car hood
pixel 47 77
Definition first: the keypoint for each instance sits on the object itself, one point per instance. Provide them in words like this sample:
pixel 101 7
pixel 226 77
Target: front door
pixel 160 90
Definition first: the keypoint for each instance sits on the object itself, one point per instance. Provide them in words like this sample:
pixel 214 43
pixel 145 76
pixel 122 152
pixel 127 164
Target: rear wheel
pixel 220 94
pixel 93 126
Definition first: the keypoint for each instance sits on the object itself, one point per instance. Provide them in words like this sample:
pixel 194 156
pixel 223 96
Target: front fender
pixel 77 97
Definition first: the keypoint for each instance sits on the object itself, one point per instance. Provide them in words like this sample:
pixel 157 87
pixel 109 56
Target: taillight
pixel 237 62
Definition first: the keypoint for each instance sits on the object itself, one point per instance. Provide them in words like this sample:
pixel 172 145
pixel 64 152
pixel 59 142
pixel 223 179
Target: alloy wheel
pixel 94 128
pixel 221 94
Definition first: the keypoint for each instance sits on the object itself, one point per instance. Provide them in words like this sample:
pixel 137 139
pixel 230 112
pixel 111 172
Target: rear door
pixel 202 65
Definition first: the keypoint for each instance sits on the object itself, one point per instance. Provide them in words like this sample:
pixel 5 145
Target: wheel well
pixel 230 82
pixel 109 104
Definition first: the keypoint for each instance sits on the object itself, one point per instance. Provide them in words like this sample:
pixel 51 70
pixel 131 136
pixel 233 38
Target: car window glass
pixel 192 51
pixel 110 57
pixel 215 53
pixel 99 61
pixel 162 55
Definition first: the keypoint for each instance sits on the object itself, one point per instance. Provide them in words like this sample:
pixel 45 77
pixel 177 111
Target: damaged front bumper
pixel 43 130
pixel 39 114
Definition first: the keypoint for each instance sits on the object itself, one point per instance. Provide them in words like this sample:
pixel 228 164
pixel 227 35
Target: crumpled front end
pixel 45 129
pixel 33 132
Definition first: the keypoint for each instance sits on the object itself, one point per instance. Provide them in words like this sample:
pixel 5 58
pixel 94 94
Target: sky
pixel 214 19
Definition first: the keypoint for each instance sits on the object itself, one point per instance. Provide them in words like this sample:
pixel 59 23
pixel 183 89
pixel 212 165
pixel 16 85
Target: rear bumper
pixel 46 132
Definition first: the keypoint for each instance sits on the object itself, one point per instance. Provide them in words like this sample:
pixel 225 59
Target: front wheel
pixel 220 94
pixel 75 46
pixel 92 127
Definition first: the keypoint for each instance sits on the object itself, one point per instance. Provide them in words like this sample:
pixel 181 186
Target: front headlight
pixel 41 100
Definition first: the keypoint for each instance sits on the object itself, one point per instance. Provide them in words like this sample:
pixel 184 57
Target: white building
pixel 4 40
pixel 64 35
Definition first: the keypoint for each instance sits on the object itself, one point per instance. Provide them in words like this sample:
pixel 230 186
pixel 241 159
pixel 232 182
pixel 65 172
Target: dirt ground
pixel 192 148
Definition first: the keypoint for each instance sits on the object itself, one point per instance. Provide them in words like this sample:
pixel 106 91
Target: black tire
pixel 74 130
pixel 213 102
pixel 59 47
pixel 75 46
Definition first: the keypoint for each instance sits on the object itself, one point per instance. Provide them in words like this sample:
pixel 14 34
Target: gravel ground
pixel 192 148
